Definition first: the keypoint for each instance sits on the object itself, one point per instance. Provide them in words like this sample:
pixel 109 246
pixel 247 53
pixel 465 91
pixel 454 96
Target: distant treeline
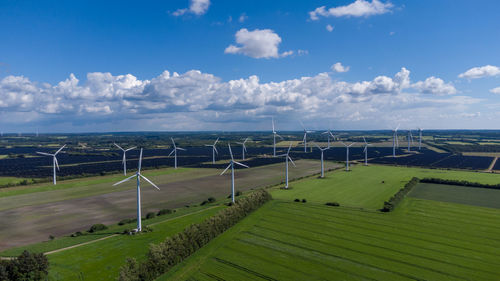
pixel 396 198
pixel 460 182
pixel 162 257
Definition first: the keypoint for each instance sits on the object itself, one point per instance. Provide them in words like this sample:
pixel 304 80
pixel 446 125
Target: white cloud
pixel 329 28
pixel 436 86
pixel 302 52
pixel 338 67
pixel 197 7
pixel 259 43
pixel 495 90
pixel 243 17
pixel 480 72
pixel 359 8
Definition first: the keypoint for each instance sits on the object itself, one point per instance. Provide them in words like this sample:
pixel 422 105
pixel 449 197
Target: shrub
pixel 52 237
pixel 396 198
pixel 211 199
pixel 204 202
pixel 150 215
pixel 238 193
pixel 304 200
pixel 97 227
pixel 126 221
pixel 76 234
pixel 164 212
pixel 296 200
pixel 334 204
pixel 26 266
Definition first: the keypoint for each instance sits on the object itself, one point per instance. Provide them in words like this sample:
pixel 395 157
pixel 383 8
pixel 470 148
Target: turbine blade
pixel 57 164
pixel 131 148
pixel 215 148
pixel 343 143
pixel 272 120
pixel 364 139
pixel 46 154
pixel 225 169
pixel 60 149
pixel 178 148
pixel 317 146
pixel 230 151
pixel 289 147
pixel 140 162
pixel 118 146
pixel 171 152
pixel 216 141
pixel 280 137
pixel 127 179
pixel 351 144
pixel 290 158
pixel 280 155
pixel 150 182
pixel 241 164
pixel 173 141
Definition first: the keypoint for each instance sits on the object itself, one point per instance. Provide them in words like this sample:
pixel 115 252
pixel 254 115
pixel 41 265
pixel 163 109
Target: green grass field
pixel 420 240
pixel 11 180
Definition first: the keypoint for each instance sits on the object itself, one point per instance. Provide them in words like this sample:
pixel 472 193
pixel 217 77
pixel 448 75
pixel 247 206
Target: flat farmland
pixel 33 216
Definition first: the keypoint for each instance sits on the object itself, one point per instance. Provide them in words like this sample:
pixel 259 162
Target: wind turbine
pixel 124 160
pixel 287 157
pixel 274 139
pixel 366 151
pixel 231 165
pixel 243 148
pixel 304 140
pixel 420 138
pixel 138 175
pixel 347 155
pixel 322 165
pixel 395 141
pixel 174 151
pixel 329 134
pixel 410 140
pixel 214 150
pixel 54 160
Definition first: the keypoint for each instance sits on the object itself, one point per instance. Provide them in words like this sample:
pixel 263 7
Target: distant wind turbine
pixel 410 140
pixel 274 138
pixel 366 151
pixel 174 151
pixel 420 138
pixel 243 148
pixel 231 165
pixel 124 159
pixel 329 134
pixel 304 140
pixel 322 165
pixel 214 149
pixel 347 155
pixel 138 175
pixel 54 160
pixel 287 157
pixel 395 142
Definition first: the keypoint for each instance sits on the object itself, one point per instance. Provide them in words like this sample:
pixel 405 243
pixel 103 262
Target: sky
pixel 186 65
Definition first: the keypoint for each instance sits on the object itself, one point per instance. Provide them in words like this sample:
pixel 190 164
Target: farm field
pixel 422 240
pixel 484 197
pixel 32 217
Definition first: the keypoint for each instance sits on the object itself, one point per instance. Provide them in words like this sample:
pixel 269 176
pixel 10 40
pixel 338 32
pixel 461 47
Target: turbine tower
pixel 366 151
pixel 395 142
pixel 287 157
pixel 347 155
pixel 410 140
pixel 174 151
pixel 420 138
pixel 274 139
pixel 231 165
pixel 214 150
pixel 138 175
pixel 304 140
pixel 243 148
pixel 322 165
pixel 124 160
pixel 54 160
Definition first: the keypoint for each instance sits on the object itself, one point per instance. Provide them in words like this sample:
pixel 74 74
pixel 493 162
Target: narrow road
pixel 492 165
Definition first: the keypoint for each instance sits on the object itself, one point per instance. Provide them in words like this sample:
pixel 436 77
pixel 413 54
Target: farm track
pixel 492 165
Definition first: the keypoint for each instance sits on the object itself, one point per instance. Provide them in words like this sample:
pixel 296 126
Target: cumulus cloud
pixel 480 72
pixel 338 67
pixel 259 43
pixel 197 7
pixel 243 17
pixel 495 90
pixel 329 28
pixel 435 86
pixel 198 100
pixel 359 8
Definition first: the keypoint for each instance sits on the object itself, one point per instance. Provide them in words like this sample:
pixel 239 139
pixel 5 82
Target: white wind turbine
pixel 243 148
pixel 420 138
pixel 395 142
pixel 174 151
pixel 274 138
pixel 366 151
pixel 138 175
pixel 410 140
pixel 124 160
pixel 231 165
pixel 347 155
pixel 304 140
pixel 54 160
pixel 329 135
pixel 214 150
pixel 322 165
pixel 287 157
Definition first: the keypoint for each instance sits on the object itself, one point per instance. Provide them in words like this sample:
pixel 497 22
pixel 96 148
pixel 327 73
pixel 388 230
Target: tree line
pixel 399 196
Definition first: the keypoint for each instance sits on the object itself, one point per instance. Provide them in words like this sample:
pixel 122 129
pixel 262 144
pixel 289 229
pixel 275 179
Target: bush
pixel 396 198
pixel 296 200
pixel 76 234
pixel 211 199
pixel 238 193
pixel 334 204
pixel 97 227
pixel 304 200
pixel 161 257
pixel 52 237
pixel 204 202
pixel 150 215
pixel 126 221
pixel 26 266
pixel 164 212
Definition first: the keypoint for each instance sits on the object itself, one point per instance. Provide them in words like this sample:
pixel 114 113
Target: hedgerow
pixel 460 182
pixel 396 198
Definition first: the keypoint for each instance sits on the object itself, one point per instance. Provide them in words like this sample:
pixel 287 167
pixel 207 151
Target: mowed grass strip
pixel 296 241
pixel 102 260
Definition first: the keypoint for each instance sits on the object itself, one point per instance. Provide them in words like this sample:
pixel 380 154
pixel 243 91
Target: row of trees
pixel 460 182
pixel 396 198
pixel 173 250
pixel 26 267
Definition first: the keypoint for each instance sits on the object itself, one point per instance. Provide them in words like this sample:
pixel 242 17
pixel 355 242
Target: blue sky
pixel 71 66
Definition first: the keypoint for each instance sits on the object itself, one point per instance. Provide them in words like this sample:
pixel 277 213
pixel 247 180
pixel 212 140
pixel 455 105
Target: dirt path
pixel 492 165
